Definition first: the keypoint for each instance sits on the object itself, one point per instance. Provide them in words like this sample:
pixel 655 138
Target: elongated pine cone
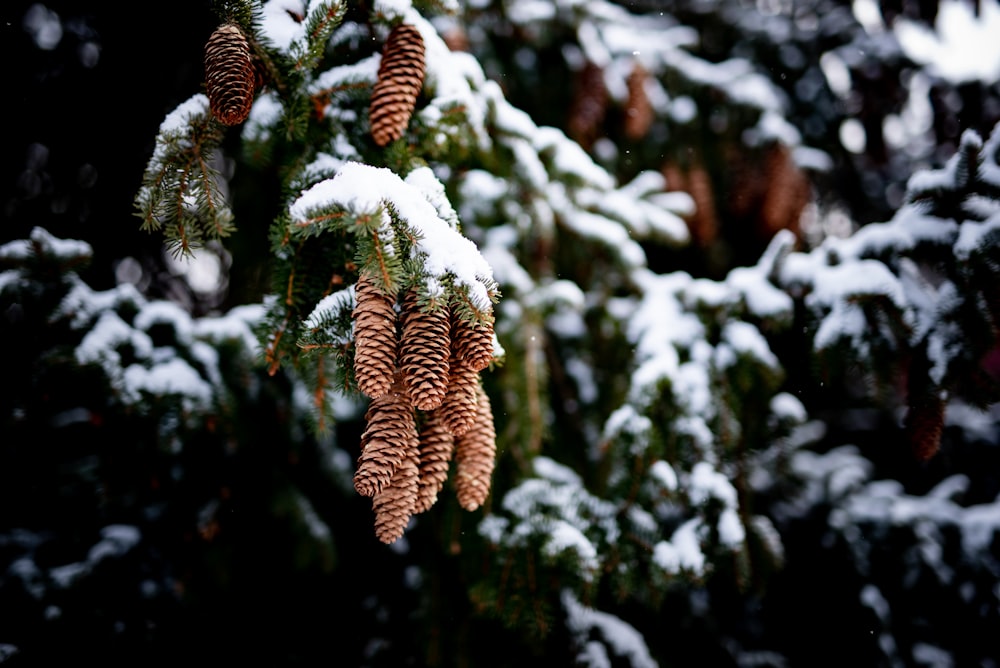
pixel 589 106
pixel 788 193
pixel 390 430
pixel 424 350
pixel 639 113
pixel 472 342
pixel 437 446
pixel 400 80
pixel 924 424
pixel 230 79
pixel 394 505
pixel 459 408
pixel 375 338
pixel 475 452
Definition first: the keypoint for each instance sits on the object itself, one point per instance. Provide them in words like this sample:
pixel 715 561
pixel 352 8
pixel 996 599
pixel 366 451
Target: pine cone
pixel 400 80
pixel 389 430
pixel 437 445
pixel 589 106
pixel 787 195
pixel 458 410
pixel 375 339
pixel 474 456
pixel 424 348
pixel 394 505
pixel 924 424
pixel 230 79
pixel 472 342
pixel 639 113
pixel 704 221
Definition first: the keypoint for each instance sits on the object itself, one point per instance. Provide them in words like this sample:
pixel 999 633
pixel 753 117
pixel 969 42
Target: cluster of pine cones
pixel 231 80
pixel 421 370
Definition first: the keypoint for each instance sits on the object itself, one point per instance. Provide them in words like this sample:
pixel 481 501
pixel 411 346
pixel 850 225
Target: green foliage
pixel 638 405
pixel 182 192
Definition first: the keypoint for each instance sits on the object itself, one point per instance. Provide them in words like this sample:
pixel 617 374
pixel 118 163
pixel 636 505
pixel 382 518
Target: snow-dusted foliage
pixel 629 197
pixel 918 569
pixel 923 281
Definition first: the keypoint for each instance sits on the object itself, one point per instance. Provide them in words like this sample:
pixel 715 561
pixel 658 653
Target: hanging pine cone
pixel 375 339
pixel 703 222
pixel 395 503
pixel 589 106
pixel 424 350
pixel 924 424
pixel 458 410
pixel 389 430
pixel 472 342
pixel 229 74
pixel 400 79
pixel 437 445
pixel 475 452
pixel 639 113
pixel 787 195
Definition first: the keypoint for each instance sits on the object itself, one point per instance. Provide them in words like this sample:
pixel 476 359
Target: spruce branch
pixel 181 191
pixel 323 19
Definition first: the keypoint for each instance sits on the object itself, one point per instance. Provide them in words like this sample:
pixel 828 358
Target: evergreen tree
pixel 554 352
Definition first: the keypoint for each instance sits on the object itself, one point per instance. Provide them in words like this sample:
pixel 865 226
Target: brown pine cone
pixel 424 349
pixel 375 338
pixel 475 452
pixel 639 113
pixel 472 342
pixel 924 425
pixel 400 80
pixel 394 505
pixel 437 445
pixel 589 106
pixel 230 79
pixel 389 430
pixel 460 405
pixel 788 193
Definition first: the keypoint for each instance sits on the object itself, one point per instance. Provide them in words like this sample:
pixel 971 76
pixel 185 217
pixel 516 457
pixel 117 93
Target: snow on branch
pixel 362 193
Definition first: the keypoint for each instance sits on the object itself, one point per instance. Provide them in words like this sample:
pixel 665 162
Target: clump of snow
pixel 599 631
pixel 329 307
pixel 281 23
pixel 682 553
pixel 707 483
pixel 443 253
pixel 264 116
pixel 194 108
pixel 962 47
pixel 664 474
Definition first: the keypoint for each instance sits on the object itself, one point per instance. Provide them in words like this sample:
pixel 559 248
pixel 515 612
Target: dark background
pixel 77 137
